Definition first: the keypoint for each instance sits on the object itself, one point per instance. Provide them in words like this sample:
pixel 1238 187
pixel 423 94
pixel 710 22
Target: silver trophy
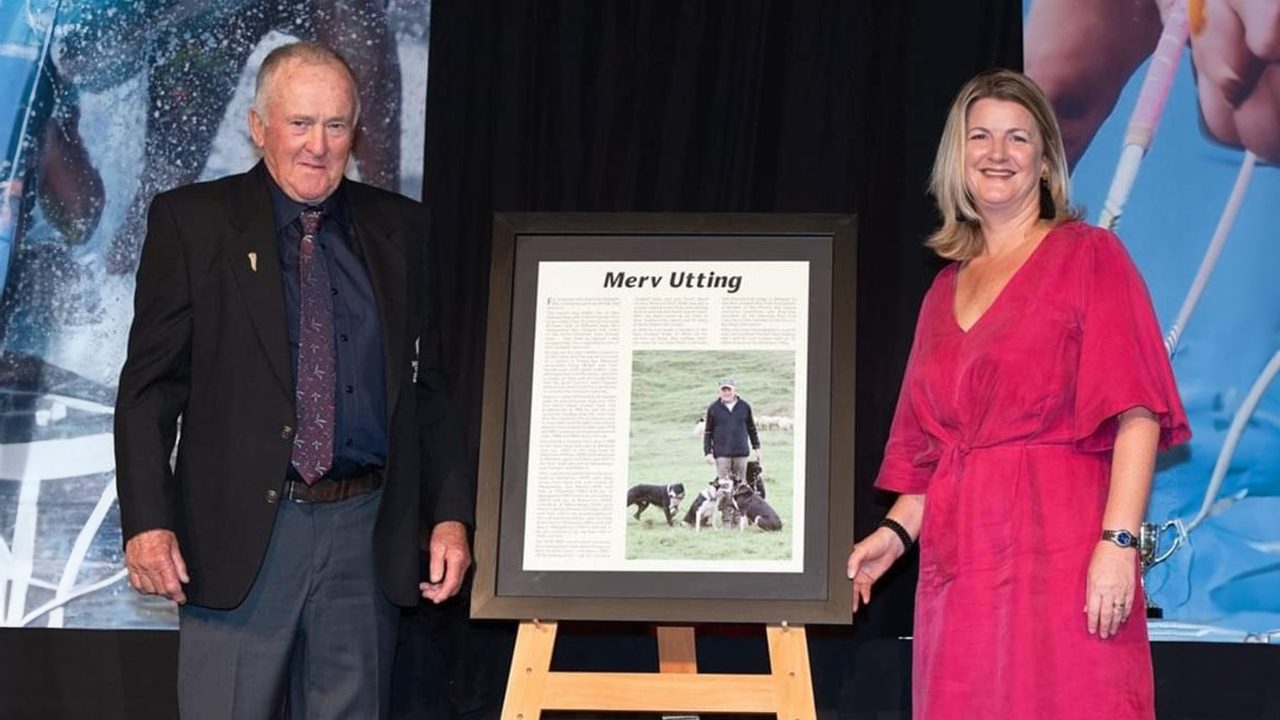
pixel 1150 556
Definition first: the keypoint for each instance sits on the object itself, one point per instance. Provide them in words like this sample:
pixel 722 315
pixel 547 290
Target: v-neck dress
pixel 1007 430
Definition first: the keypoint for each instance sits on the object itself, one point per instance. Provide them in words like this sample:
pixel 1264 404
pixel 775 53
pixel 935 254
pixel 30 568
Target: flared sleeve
pixel 908 460
pixel 1123 362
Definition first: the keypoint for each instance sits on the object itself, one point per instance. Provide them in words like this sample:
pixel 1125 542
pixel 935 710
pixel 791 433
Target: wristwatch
pixel 1123 538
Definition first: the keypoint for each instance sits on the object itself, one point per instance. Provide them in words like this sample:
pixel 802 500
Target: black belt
pixel 328 490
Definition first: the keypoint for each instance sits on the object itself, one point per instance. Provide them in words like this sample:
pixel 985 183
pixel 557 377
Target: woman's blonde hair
pixel 960 236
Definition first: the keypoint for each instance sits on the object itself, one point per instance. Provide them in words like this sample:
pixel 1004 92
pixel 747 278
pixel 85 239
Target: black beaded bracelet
pixel 898 530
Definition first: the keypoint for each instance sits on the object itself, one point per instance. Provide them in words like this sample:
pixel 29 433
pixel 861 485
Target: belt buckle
pixel 289 492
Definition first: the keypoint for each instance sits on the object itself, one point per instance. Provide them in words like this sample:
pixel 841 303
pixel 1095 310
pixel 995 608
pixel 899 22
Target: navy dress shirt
pixel 360 433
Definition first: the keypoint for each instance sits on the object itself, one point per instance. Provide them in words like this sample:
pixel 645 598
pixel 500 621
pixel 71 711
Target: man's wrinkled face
pixel 306 129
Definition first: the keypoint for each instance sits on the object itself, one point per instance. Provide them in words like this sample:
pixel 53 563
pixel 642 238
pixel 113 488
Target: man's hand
pixel 155 564
pixel 711 459
pixel 449 557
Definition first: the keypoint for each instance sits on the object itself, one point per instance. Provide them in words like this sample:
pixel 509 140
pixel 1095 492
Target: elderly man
pixel 284 316
pixel 726 434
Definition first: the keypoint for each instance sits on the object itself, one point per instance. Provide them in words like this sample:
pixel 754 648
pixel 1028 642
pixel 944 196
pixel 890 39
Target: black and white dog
pixel 667 497
pixel 718 505
pixel 700 512
pixel 753 510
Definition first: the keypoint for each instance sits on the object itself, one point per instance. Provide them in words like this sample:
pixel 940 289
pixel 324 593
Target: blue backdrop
pixel 1222 582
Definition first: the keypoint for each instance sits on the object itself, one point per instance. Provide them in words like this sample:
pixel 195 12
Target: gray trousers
pixel 315 624
pixel 727 466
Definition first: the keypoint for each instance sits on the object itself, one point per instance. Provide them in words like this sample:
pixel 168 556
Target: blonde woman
pixel 1035 398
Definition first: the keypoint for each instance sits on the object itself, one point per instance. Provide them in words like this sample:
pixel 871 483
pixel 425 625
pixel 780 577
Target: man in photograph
pixel 729 437
pixel 284 315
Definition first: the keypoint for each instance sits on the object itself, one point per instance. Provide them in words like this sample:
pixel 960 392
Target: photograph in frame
pixel 615 340
pixel 673 389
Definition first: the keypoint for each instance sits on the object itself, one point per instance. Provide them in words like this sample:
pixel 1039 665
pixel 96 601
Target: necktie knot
pixel 311 220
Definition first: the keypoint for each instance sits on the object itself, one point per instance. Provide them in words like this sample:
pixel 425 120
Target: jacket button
pixel 286 432
pixel 272 496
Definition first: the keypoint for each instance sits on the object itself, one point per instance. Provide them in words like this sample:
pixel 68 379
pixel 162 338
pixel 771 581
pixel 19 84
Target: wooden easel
pixel 677 686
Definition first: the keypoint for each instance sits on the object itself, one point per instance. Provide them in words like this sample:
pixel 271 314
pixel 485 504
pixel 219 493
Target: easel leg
pixel 677 652
pixel 530 664
pixel 792 681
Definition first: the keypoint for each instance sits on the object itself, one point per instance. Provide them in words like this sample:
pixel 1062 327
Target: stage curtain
pixel 703 106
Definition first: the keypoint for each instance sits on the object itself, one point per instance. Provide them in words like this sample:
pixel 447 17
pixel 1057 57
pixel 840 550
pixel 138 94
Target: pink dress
pixel 1007 429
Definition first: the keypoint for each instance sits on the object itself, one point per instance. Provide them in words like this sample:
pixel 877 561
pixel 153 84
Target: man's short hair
pixel 305 51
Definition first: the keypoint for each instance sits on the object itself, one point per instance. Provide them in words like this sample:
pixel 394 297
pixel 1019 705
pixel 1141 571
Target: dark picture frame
pixel 818 592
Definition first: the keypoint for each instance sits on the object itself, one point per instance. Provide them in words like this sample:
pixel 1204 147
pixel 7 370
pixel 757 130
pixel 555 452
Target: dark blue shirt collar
pixel 286 210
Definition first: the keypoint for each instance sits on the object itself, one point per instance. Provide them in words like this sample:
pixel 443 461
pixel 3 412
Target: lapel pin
pixel 253 261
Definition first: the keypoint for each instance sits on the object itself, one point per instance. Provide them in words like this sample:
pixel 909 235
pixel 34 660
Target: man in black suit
pixel 284 315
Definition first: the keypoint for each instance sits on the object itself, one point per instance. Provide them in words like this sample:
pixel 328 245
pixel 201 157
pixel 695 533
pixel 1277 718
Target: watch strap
pixel 1121 537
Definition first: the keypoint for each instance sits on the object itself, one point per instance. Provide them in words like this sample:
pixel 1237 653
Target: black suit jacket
pixel 209 345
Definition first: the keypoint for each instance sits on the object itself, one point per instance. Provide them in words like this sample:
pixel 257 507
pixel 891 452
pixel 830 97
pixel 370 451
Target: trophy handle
pixel 1149 541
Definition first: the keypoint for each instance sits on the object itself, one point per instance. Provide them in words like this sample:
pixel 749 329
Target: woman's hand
pixel 1110 593
pixel 869 560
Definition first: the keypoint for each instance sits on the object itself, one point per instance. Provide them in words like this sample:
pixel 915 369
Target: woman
pixel 1036 396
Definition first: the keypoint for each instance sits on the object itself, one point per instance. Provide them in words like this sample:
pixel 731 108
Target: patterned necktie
pixel 313 443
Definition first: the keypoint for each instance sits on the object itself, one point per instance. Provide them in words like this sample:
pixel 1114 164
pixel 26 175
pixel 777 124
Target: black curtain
pixel 707 106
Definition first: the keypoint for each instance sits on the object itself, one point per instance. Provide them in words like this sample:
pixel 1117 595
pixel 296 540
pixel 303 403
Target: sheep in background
pixel 700 428
pixel 775 422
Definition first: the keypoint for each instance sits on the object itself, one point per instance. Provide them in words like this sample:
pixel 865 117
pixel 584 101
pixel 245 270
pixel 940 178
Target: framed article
pixel 667 430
